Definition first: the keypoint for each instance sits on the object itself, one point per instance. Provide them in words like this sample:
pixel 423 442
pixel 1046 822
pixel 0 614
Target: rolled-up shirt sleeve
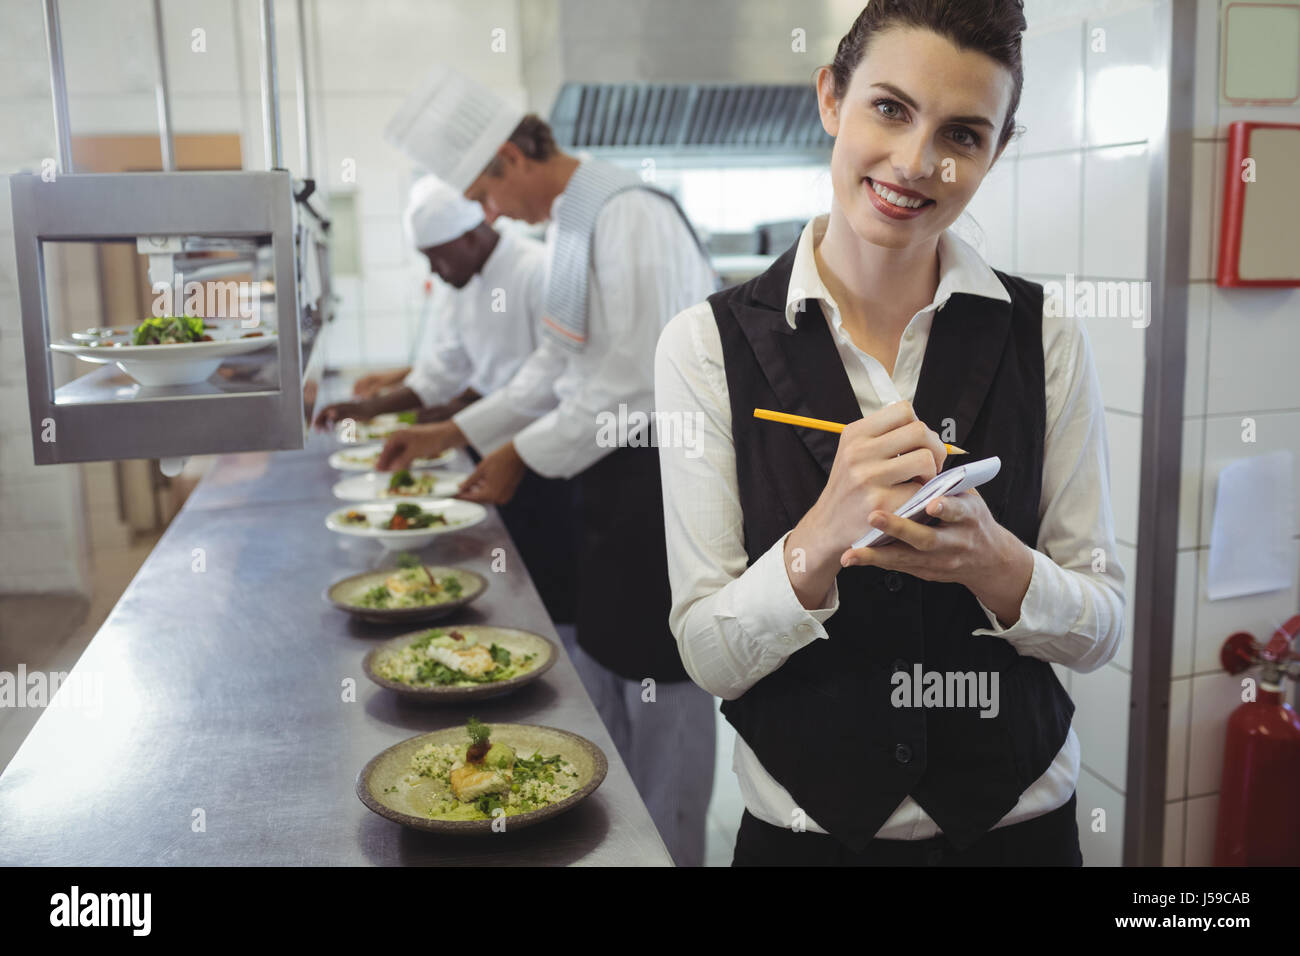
pixel 1073 611
pixel 734 622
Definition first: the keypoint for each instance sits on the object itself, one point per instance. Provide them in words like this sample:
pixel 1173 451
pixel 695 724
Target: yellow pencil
pixel 823 425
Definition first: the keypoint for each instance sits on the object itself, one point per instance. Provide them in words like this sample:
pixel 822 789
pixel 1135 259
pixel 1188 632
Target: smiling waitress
pixel 881 317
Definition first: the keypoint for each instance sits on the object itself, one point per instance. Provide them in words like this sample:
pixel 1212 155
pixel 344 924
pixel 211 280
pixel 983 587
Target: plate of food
pixel 447 665
pixel 166 350
pixel 479 779
pixel 366 457
pixel 381 426
pixel 410 592
pixel 405 525
pixel 403 483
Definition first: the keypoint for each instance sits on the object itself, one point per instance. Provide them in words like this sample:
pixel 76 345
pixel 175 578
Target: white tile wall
pixel 993 213
pixel 1051 104
pixel 1101 722
pixel 1175 822
pixel 1124 433
pixel 1254 342
pixel 1202 815
pixel 1115 213
pixel 1121 96
pixel 1047 215
pixel 1180 709
pixel 1214 697
pixel 1101 836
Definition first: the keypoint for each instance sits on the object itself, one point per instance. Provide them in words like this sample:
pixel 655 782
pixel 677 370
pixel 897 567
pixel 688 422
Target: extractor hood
pixel 679 77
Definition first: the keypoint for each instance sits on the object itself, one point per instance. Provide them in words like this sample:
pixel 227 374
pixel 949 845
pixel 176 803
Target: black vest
pixel 823 724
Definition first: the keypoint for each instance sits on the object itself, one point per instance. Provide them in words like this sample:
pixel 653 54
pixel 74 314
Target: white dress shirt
pixel 645 268
pixel 735 624
pixel 483 332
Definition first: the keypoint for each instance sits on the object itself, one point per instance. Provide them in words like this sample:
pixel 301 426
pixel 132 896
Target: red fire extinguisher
pixel 1259 800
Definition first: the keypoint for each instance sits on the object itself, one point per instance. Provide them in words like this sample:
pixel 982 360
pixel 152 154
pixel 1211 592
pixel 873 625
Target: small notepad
pixel 951 482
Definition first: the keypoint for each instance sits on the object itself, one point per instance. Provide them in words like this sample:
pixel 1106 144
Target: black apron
pixel 540 519
pixel 623 592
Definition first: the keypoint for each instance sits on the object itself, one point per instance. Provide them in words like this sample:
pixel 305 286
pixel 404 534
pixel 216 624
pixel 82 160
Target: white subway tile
pixel 1115 212
pixel 1175 821
pixel 1206 185
pixel 1254 341
pixel 1047 215
pixel 1119 354
pixel 1189 483
pixel 1051 104
pixel 1101 834
pixel 1198 344
pixel 1101 717
pixel 1205 82
pixel 1180 716
pixel 993 211
pixel 1124 436
pixel 1202 818
pixel 1186 568
pixel 1214 697
pixel 1122 97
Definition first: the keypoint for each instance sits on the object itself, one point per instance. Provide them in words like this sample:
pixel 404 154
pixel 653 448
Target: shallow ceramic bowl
pixel 464 514
pixel 343 595
pixel 363 458
pixel 512 639
pixel 386 770
pixel 373 485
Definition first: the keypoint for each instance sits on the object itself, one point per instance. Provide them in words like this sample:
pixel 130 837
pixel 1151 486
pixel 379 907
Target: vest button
pixel 903 753
pixel 893 581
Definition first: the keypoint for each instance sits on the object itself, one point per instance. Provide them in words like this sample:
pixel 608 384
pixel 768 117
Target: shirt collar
pixel 961 269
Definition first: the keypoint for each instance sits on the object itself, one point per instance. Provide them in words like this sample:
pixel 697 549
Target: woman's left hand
pixel 966 546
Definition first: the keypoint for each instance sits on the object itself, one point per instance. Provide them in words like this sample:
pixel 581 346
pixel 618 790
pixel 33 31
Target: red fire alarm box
pixel 1258 240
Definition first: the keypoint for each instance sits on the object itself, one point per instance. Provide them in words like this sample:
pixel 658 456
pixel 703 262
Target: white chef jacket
pixel 734 624
pixel 645 268
pixel 483 332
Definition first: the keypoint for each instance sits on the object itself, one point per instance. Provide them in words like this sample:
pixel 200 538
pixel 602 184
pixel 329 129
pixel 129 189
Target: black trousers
pixel 1049 840
pixel 541 519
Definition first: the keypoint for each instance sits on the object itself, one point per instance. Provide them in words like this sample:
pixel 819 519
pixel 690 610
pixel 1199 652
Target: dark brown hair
pixel 991 27
pixel 533 137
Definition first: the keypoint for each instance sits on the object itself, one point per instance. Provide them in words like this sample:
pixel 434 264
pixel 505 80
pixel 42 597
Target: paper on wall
pixel 1254 518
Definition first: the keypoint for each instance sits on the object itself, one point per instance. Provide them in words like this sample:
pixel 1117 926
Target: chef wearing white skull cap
pixel 485 315
pixel 623 261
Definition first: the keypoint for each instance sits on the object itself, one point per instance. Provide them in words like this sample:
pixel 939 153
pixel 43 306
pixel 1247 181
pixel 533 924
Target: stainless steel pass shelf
pixel 104 415
pixel 108 383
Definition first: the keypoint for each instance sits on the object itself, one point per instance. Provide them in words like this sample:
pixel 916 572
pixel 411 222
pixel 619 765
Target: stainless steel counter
pixel 224 737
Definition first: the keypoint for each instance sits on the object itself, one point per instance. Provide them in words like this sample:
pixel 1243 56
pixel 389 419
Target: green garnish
pixel 400 479
pixel 500 655
pixel 406 418
pixel 479 732
pixel 408 559
pixel 168 329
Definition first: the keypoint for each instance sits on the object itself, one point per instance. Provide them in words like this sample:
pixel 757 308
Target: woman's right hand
pixel 881 461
